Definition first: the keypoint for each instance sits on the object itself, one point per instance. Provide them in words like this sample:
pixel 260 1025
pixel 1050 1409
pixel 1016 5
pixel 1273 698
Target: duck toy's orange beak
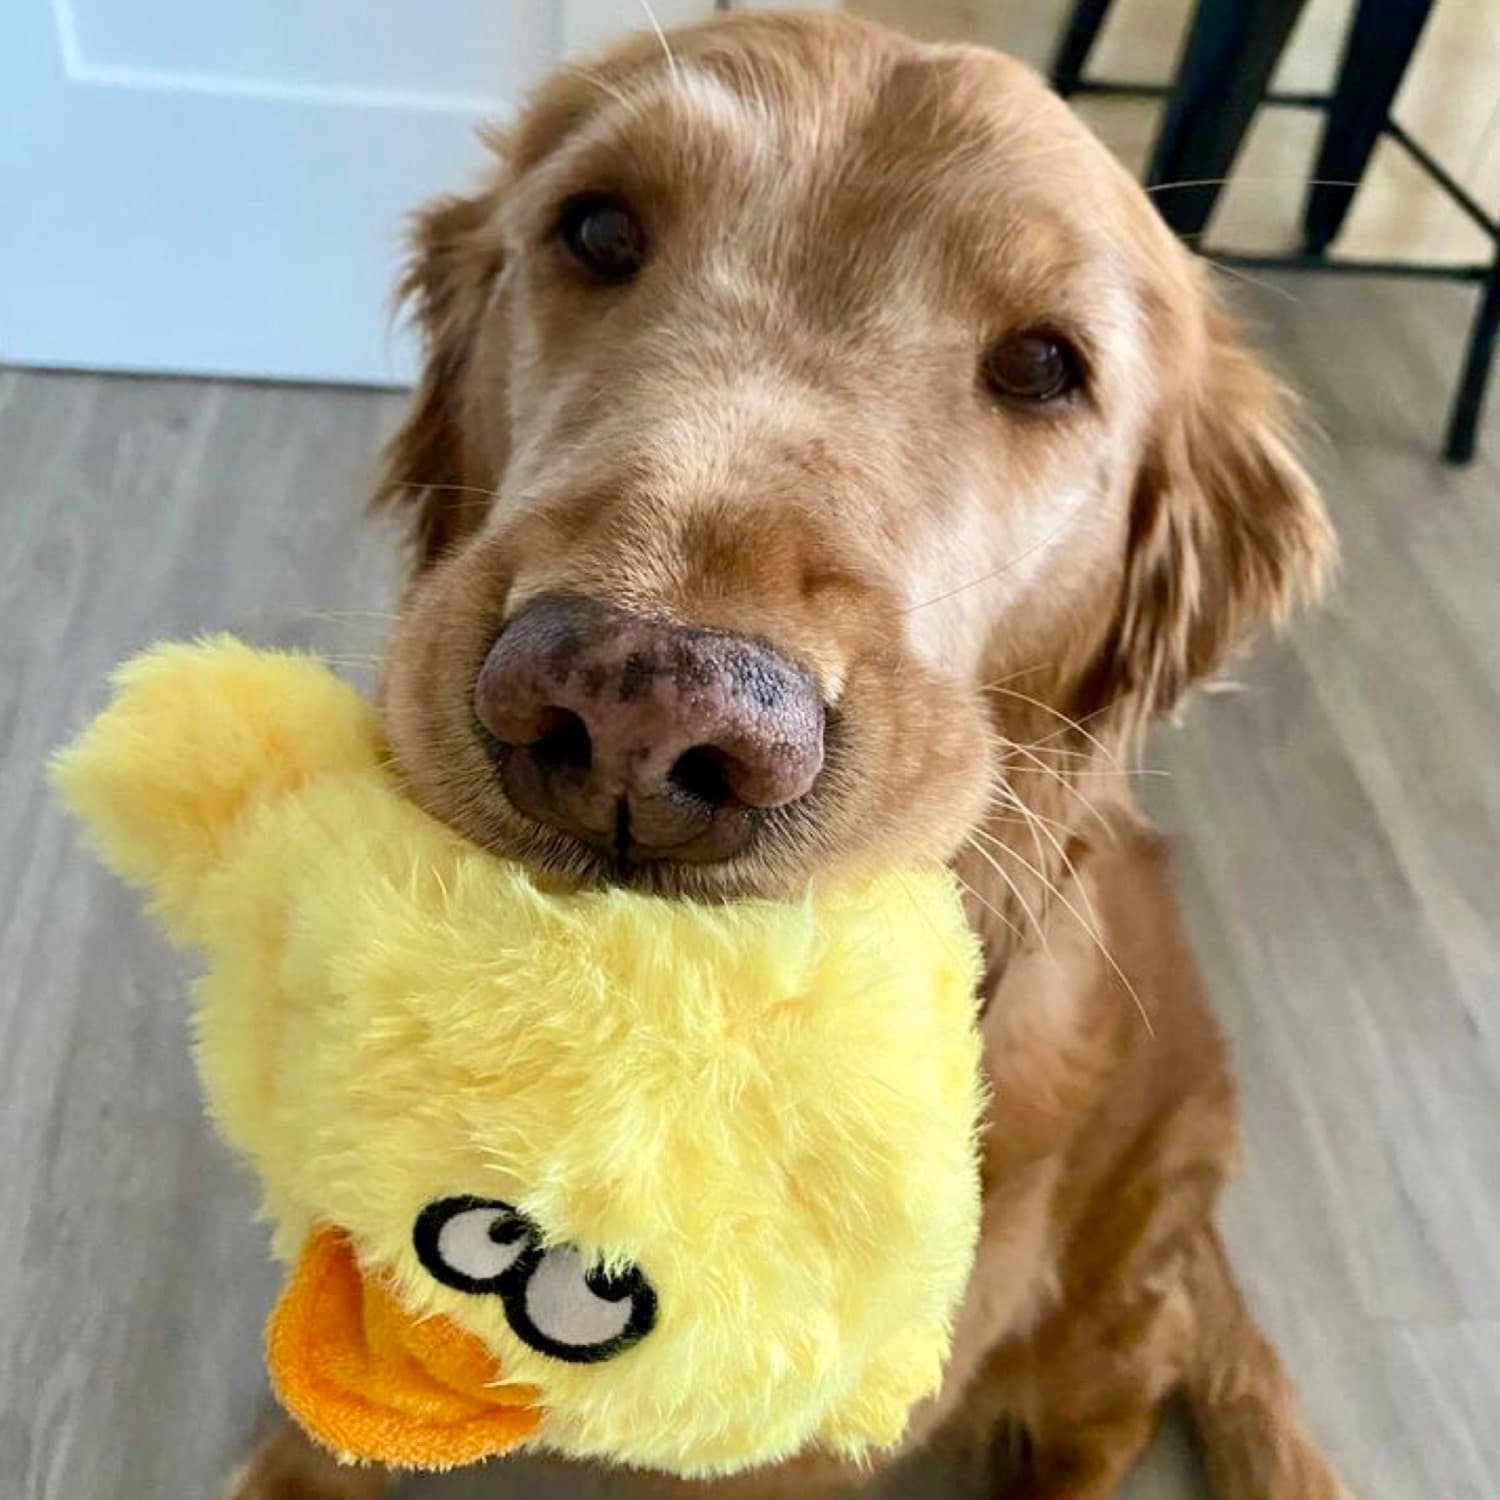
pixel 374 1384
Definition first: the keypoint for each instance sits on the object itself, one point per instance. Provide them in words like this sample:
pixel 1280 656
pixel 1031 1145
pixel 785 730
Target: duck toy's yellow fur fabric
pixel 681 1186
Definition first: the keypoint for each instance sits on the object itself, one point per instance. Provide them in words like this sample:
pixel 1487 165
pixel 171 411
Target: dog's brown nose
pixel 647 739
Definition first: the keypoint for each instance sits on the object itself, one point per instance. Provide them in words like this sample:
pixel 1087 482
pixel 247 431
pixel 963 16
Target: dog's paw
pixel 286 1466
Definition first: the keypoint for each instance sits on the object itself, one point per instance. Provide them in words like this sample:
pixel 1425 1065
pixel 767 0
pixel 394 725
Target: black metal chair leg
pixel 1076 44
pixel 1468 402
pixel 1381 40
pixel 1231 51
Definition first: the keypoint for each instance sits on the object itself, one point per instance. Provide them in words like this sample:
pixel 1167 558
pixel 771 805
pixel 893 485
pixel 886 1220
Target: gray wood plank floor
pixel 1339 830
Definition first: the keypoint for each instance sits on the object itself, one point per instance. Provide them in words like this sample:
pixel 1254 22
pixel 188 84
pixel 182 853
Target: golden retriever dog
pixel 825 457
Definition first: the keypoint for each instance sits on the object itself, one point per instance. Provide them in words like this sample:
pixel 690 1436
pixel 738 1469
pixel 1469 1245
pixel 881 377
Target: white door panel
pixel 329 44
pixel 218 188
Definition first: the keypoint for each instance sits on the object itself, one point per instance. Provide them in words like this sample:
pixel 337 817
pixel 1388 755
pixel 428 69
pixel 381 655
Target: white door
pixel 217 186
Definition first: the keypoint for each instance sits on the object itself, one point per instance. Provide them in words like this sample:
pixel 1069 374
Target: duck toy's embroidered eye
pixel 554 1301
pixel 471 1243
pixel 581 1314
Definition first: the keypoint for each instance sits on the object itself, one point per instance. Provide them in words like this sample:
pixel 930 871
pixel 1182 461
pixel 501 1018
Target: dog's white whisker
pixel 1065 782
pixel 1015 892
pixel 1056 713
pixel 661 37
pixel 1093 934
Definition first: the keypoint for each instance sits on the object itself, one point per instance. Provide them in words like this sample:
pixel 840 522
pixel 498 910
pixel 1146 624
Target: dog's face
pixel 781 398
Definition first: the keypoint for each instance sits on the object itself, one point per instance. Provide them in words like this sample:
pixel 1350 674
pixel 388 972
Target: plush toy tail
pixel 194 735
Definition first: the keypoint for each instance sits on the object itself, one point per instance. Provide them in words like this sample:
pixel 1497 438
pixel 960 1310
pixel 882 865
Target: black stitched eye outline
pixel 613 1328
pixel 474 1244
pixel 553 1302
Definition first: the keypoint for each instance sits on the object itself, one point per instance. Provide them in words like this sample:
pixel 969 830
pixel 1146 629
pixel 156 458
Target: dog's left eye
pixel 1032 367
pixel 603 235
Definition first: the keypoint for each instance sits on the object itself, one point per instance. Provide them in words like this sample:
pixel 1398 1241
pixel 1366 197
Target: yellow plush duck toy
pixel 680 1186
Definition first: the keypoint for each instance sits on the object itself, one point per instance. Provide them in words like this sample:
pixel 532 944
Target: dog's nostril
pixel 563 741
pixel 703 773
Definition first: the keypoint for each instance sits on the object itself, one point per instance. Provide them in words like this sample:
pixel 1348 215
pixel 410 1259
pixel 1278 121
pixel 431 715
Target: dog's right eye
pixel 603 236
pixel 1033 367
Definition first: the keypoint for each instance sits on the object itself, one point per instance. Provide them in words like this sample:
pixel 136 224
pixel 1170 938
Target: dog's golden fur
pixel 778 429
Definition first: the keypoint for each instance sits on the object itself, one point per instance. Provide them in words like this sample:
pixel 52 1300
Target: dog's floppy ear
pixel 433 471
pixel 429 471
pixel 1226 533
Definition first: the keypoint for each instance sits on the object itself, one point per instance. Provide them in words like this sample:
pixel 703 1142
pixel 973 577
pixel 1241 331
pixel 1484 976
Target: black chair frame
pixel 1223 76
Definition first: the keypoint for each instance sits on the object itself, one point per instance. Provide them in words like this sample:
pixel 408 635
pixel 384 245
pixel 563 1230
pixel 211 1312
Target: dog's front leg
pixel 287 1466
pixel 1094 1466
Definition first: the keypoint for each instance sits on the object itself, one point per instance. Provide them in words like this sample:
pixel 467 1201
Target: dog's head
pixel 797 408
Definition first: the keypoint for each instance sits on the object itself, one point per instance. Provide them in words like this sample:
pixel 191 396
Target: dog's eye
pixel 1030 367
pixel 581 1315
pixel 471 1243
pixel 604 236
